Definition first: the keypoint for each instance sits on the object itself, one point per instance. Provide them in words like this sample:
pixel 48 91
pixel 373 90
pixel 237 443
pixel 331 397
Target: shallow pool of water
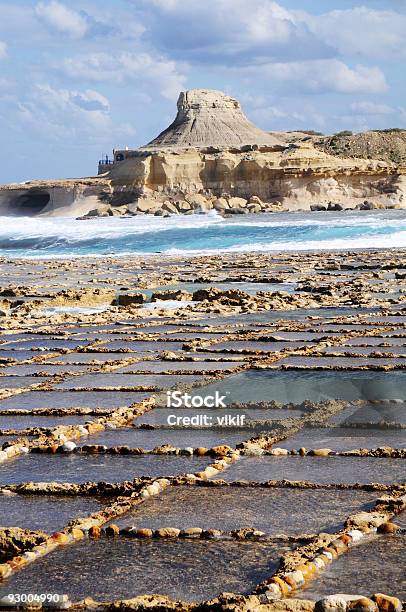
pixel 376 566
pixel 142 346
pixel 45 512
pixel 23 422
pixel 385 412
pixel 179 366
pixel 20 355
pixel 18 382
pixel 275 511
pixel 73 399
pixel 181 438
pixel 345 438
pixel 320 470
pixel 120 569
pixel 39 343
pixel 341 362
pixel 83 468
pixel 312 385
pixel 254 346
pixel 87 358
pixel 108 380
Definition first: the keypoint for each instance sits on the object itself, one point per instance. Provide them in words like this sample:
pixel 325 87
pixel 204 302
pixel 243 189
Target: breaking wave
pixel 193 234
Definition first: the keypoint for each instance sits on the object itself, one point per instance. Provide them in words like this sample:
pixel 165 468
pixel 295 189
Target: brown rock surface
pixel 15 541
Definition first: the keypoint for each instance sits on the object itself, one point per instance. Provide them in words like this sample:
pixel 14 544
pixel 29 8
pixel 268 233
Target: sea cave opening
pixel 30 203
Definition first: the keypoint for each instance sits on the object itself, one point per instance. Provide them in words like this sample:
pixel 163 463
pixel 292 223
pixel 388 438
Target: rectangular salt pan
pixel 38 343
pixel 108 380
pixel 109 570
pixel 376 566
pixel 20 355
pixel 39 368
pixel 313 385
pixel 86 358
pixel 44 512
pixel 179 366
pixel 345 438
pixel 231 508
pixel 180 438
pixel 373 413
pixel 253 346
pixel 25 421
pixel 83 468
pixel 320 470
pixel 18 382
pixel 340 362
pixel 364 350
pixel 73 399
pixel 140 346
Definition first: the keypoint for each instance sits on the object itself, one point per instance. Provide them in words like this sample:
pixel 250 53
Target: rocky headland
pixel 213 157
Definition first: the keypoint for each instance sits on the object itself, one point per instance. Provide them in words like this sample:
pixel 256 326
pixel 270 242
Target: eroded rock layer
pixel 208 118
pixel 298 176
pixel 212 151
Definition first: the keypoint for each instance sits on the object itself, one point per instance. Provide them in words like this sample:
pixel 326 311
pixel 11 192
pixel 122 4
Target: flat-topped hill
pixel 209 118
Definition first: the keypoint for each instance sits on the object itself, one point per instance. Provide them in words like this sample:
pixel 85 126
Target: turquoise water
pixel 44 237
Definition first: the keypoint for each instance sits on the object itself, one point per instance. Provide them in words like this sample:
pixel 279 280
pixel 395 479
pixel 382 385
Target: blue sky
pixel 79 77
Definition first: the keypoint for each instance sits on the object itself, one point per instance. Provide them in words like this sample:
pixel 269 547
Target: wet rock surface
pixel 14 541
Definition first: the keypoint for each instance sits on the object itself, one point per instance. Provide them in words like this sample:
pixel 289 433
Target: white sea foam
pixel 208 233
pixel 16 228
pixel 397 240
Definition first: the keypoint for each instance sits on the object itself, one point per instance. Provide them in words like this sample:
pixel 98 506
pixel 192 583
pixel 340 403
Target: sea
pixel 57 237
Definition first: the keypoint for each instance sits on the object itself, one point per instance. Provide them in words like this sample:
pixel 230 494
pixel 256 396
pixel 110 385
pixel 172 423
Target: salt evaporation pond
pixel 109 570
pixel 312 385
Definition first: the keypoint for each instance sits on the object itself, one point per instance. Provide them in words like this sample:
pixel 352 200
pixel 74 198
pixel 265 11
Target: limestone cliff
pixel 210 150
pixel 211 147
pixel 53 197
pixel 297 176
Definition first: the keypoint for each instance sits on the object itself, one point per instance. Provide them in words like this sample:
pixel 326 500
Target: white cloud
pixel 140 68
pixel 69 115
pixel 371 108
pixel 324 76
pixel 361 31
pixel 90 100
pixel 62 18
pixel 216 31
pixel 3 49
pixel 270 114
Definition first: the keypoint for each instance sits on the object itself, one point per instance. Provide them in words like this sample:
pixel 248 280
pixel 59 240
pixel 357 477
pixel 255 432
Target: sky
pixel 79 78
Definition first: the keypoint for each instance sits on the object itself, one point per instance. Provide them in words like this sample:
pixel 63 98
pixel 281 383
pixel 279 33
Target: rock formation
pixel 212 149
pixel 52 197
pixel 211 156
pixel 208 118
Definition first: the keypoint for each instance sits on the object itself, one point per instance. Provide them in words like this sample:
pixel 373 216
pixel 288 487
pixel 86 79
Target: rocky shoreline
pixel 226 206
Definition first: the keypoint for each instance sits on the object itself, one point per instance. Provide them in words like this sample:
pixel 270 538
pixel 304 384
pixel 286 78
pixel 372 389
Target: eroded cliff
pixel 212 151
pixel 297 176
